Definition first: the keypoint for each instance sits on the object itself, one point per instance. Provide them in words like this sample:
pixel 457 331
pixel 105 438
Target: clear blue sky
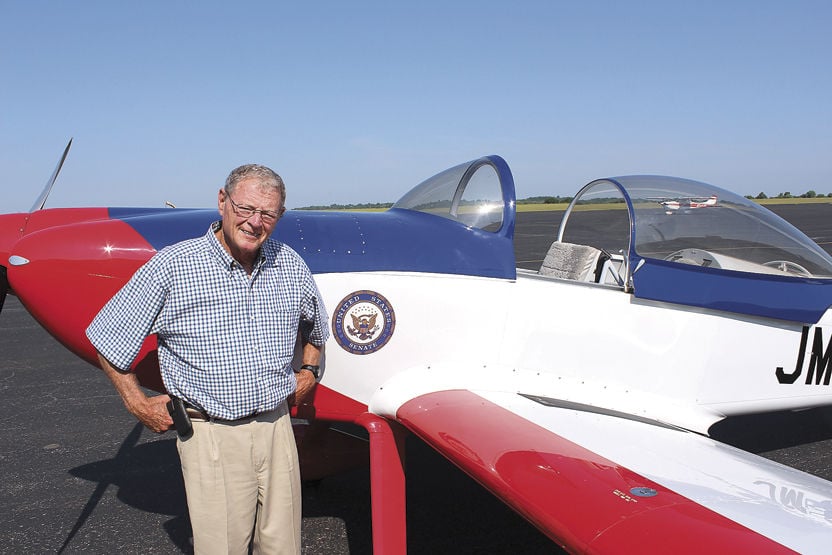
pixel 359 101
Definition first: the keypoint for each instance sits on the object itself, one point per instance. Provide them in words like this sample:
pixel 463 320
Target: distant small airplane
pixel 570 392
pixel 685 204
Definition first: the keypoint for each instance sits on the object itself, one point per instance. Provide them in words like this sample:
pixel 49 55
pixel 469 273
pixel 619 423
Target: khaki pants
pixel 242 482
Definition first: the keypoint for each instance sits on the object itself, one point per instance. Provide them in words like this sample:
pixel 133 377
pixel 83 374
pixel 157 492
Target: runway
pixel 81 476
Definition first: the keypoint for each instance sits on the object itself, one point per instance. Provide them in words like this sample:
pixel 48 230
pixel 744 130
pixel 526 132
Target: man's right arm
pixel 118 332
pixel 151 411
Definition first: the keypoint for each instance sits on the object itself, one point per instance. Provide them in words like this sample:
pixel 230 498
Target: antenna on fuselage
pixel 46 190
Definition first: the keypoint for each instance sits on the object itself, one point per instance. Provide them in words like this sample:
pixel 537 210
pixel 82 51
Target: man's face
pixel 243 236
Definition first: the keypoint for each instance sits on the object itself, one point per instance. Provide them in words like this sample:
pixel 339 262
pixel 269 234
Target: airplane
pixel 684 205
pixel 560 390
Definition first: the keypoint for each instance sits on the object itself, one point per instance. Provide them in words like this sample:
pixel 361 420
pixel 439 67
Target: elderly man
pixel 227 309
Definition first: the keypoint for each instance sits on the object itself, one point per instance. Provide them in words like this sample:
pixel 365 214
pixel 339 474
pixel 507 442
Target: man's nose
pixel 256 218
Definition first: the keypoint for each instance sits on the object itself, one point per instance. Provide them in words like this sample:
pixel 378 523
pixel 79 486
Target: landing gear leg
pixel 387 483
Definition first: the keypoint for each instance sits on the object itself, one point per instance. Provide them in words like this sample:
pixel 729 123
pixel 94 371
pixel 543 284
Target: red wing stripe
pixel 578 498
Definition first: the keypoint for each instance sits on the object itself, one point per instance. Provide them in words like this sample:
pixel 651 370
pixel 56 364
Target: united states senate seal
pixel 363 323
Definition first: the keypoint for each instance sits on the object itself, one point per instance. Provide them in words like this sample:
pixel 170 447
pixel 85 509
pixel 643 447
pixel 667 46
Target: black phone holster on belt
pixel 181 420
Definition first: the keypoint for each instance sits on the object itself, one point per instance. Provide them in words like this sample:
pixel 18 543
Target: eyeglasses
pixel 247 212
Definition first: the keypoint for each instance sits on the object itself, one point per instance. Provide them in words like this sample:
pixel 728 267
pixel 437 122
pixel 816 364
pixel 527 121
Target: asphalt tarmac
pixel 79 475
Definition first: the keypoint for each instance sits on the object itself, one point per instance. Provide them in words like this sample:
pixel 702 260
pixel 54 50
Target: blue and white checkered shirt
pixel 225 339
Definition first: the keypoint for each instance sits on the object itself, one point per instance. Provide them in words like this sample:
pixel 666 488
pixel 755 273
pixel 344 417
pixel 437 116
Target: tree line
pixel 544 200
pixel 787 194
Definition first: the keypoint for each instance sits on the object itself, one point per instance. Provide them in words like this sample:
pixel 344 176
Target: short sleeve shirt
pixel 225 338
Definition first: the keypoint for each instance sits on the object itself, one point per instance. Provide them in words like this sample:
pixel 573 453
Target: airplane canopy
pixel 692 243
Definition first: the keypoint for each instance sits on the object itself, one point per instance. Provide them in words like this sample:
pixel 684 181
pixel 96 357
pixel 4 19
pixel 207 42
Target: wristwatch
pixel 314 368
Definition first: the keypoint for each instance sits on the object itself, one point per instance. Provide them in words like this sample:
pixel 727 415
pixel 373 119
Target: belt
pixel 196 414
pixel 199 414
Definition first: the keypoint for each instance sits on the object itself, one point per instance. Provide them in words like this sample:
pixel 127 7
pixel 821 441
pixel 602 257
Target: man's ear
pixel 221 200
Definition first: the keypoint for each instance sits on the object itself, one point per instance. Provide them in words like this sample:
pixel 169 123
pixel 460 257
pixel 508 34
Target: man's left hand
pixel 303 393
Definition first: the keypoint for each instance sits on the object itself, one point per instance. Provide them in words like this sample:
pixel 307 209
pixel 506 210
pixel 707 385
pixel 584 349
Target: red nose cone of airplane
pixel 17 227
pixel 67 265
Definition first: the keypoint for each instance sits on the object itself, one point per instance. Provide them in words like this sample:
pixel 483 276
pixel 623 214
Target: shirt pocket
pixel 281 329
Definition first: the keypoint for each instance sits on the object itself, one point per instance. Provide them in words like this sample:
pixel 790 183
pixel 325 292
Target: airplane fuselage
pixel 555 337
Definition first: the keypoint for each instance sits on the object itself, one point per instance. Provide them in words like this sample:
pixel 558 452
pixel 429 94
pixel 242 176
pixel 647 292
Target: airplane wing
pixel 597 481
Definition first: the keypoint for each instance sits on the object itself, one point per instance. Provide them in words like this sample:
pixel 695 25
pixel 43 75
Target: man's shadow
pixel 148 477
